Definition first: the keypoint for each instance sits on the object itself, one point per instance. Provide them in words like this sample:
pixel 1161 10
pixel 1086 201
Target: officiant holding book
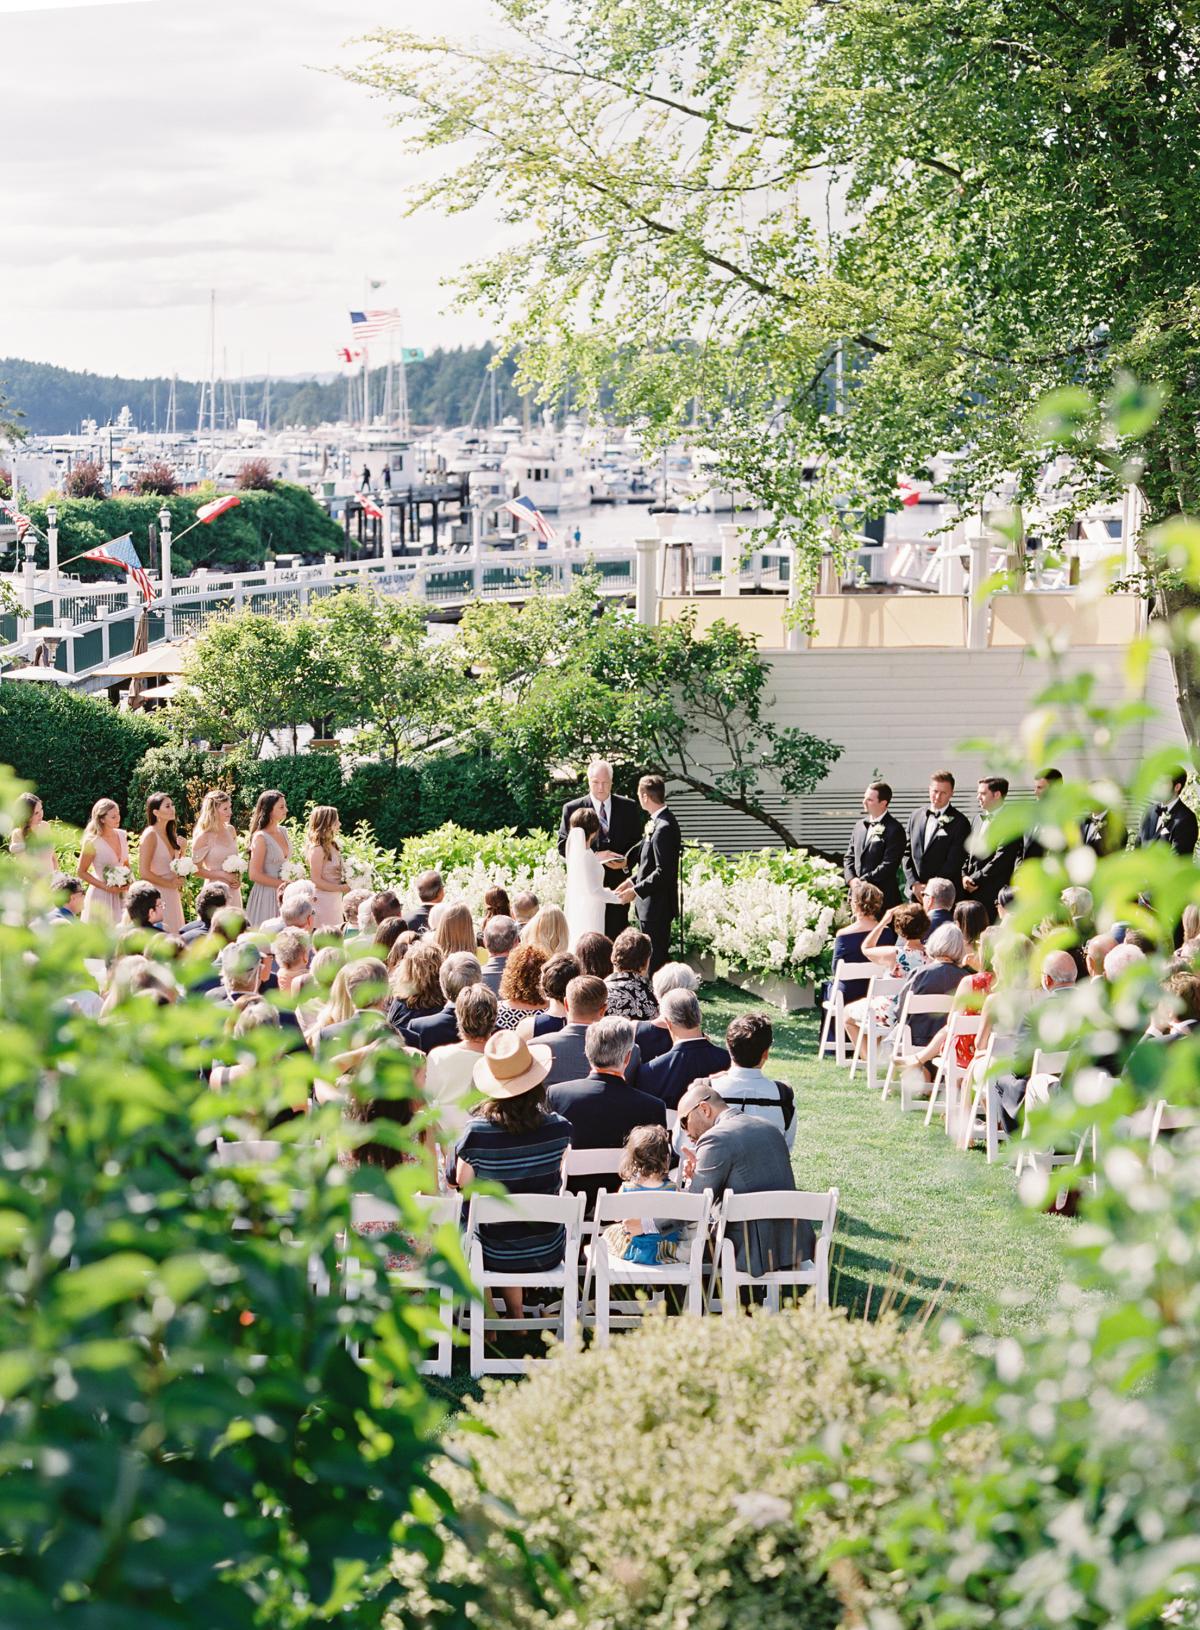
pixel 620 832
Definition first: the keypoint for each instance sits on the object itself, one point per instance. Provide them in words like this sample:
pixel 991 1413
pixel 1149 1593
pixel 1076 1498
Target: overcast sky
pixel 156 149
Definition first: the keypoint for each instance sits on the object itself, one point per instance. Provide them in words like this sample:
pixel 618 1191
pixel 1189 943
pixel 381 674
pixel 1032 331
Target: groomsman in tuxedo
pixel 1032 848
pixel 620 831
pixel 937 839
pixel 1104 832
pixel 1171 822
pixel 987 870
pixel 877 845
pixel 654 889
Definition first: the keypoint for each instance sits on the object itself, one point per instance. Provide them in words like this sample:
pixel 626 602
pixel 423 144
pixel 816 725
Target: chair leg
pixel 476 1317
pixel 602 1294
pixel 570 1309
pixel 858 1048
pixel 991 1129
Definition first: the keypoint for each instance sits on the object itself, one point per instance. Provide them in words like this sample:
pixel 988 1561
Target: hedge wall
pixel 73 748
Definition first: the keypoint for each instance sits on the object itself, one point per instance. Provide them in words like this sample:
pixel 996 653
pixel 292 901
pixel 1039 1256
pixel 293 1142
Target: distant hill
pixel 442 390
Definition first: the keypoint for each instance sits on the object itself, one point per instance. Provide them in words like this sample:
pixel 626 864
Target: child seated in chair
pixel 645 1169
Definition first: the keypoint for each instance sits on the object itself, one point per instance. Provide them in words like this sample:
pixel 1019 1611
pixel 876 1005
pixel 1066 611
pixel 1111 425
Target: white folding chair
pixel 668 1206
pixel 1168 1118
pixel 1045 1073
pixel 982 1117
pixel 365 1209
pixel 871 1032
pixel 775 1205
pixel 910 1007
pixel 835 1006
pixel 577 1163
pixel 564 1210
pixel 949 1074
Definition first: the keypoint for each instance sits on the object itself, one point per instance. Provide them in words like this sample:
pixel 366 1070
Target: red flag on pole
pixel 218 506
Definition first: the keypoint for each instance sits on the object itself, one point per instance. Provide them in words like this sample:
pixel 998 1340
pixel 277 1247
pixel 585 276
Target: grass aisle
pixel 917 1220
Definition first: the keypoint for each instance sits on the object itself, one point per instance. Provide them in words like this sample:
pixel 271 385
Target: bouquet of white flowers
pixel 361 880
pixel 183 867
pixel 235 864
pixel 118 877
pixel 292 871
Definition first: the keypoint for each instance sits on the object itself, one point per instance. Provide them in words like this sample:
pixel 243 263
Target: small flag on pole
pixel 369 507
pixel 345 354
pixel 908 492
pixel 218 506
pixel 366 324
pixel 527 512
pixel 120 552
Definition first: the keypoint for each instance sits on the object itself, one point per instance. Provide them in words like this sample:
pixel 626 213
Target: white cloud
pixel 163 149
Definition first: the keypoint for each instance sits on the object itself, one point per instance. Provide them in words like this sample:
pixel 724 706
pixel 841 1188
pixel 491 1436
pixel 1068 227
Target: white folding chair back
pixel 948 1077
pixel 979 1114
pixel 871 1033
pixel 912 1006
pixel 589 1163
pixel 775 1205
pixel 692 1211
pixel 247 1152
pixel 562 1210
pixel 835 1006
pixel 365 1210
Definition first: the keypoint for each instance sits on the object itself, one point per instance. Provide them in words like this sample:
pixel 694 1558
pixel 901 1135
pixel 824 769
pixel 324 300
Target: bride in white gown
pixel 586 893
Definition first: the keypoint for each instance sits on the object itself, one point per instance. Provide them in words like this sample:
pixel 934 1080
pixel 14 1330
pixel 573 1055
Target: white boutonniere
pixel 943 822
pixel 875 831
pixel 647 829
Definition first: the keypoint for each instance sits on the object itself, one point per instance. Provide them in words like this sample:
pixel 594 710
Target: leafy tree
pixel 382 674
pixel 10 427
pixel 563 680
pixel 255 476
pixel 158 477
pixel 852 223
pixel 251 675
pixel 6 486
pixel 84 480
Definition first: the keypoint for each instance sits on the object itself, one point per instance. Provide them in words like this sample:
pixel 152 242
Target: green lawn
pixel 921 1226
pixel 918 1221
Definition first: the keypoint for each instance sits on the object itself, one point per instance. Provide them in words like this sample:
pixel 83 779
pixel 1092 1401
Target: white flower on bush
pixel 183 867
pixel 292 871
pixel 118 877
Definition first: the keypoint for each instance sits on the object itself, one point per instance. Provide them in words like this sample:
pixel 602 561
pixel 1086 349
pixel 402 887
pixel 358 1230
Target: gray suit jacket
pixel 741 1154
pixel 493 972
pixel 569 1062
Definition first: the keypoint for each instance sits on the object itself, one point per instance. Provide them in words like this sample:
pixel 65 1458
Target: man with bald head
pixel 1059 974
pixel 621 824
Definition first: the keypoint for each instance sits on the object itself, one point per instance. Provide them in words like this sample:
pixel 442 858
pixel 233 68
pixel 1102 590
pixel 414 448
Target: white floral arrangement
pixel 183 867
pixel 235 864
pixel 118 877
pixel 360 880
pixel 292 871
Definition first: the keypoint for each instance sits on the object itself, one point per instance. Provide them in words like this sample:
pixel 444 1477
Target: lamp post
pixel 164 563
pixel 52 558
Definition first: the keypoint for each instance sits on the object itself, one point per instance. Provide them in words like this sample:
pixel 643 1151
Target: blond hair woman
pixel 215 843
pixel 547 930
pixel 323 857
pixel 104 847
pixel 455 929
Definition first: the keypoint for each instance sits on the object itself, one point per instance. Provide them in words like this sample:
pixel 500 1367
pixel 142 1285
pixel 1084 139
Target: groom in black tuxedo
pixel 620 831
pixel 654 890
pixel 937 839
pixel 876 845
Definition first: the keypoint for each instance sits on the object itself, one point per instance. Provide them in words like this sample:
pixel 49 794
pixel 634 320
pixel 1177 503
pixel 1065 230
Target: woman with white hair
pixel 653 1037
pixel 944 971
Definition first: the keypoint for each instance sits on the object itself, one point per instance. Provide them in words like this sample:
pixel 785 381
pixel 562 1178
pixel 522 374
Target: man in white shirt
pixel 449 1070
pixel 745 1086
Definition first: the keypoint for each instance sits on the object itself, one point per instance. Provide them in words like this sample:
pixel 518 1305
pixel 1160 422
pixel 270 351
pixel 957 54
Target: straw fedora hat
pixel 509 1066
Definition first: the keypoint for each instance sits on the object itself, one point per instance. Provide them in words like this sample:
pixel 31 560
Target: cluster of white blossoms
pixel 758 926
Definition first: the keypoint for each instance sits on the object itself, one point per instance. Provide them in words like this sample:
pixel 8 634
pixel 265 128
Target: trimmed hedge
pixel 73 748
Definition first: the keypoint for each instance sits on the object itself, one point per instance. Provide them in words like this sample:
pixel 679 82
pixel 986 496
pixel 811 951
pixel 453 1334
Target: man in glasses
pixel 742 1154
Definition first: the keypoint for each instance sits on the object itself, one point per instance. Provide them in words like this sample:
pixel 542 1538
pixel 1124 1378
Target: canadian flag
pixel 345 354
pixel 908 492
pixel 369 507
pixel 209 512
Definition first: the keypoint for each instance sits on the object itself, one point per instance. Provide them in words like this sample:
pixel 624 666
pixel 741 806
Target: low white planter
pixel 788 995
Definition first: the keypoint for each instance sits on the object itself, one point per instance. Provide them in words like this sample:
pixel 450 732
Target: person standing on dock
pixel 366 479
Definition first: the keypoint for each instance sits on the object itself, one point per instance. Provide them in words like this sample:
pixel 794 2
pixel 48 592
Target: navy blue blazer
pixel 434 1029
pixel 670 1076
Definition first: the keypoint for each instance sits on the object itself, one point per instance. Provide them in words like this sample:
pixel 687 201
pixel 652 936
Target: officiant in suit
pixel 620 831
pixel 654 888
pixel 1171 822
pixel 937 838
pixel 877 845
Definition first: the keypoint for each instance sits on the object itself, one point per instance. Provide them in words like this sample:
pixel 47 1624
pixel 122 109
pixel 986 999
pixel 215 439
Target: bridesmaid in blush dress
pixel 324 858
pixel 158 846
pixel 215 841
pixel 104 845
pixel 270 846
pixel 28 839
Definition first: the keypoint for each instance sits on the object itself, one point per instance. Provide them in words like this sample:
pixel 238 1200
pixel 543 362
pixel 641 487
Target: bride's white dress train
pixel 586 895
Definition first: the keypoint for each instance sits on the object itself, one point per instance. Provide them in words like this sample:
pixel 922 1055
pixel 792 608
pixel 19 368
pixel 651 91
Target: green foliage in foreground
pixel 186 1438
pixel 702 1473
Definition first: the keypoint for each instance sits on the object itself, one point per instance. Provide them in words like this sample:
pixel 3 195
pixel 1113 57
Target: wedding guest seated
pixel 363 1107
pixel 322 971
pixel 557 974
pixel 942 973
pixel 520 988
pixel 653 1036
pixel 602 1107
pixel 458 970
pixel 213 897
pixel 745 1086
pixel 971 920
pixel 900 960
pixel 135 977
pixel 143 906
pixel 692 1054
pixel 593 952
pixel 495 904
pixel 1095 951
pixel 385 905
pixel 68 891
pixel 512 1138
pixel 292 950
pixel 1178 1015
pixel 742 1154
pixel 415 987
pixel 430 892
pixel 1057 982
pixel 241 973
pixel 940 895
pixel 500 938
pixel 1189 927
pixel 866 907
pixel 630 995
pixel 970 997
pixel 297 908
pixel 525 908
pixel 450 1068
pixel 356 1010
pixel 366 919
pixel 585 1000
pixel 352 902
pixel 1120 959
pixel 248 1014
pixel 547 930
pixel 1005 900
pixel 455 929
pixel 387 933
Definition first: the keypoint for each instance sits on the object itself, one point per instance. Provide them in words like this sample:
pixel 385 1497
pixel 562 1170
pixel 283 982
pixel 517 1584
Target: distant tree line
pixel 447 388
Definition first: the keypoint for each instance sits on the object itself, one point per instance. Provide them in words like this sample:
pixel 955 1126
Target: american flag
pixel 527 512
pixel 366 324
pixel 120 552
pixel 908 492
pixel 21 522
